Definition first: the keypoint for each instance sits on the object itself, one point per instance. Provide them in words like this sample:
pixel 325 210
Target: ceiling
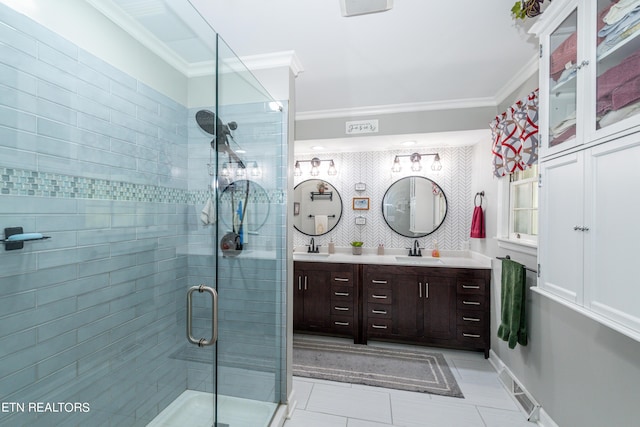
pixel 419 52
pixel 419 55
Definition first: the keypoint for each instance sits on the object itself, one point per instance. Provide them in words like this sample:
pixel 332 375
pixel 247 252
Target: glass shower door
pixel 251 263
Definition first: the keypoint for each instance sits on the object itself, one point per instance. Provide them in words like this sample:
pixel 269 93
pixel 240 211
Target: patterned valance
pixel 515 137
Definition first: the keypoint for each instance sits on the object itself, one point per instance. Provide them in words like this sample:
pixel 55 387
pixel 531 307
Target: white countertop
pixel 451 259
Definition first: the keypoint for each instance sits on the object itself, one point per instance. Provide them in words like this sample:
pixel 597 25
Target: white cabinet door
pixel 561 216
pixel 612 284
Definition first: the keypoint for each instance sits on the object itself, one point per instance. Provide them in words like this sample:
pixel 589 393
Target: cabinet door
pixel 559 84
pixel 438 305
pixel 561 219
pixel 298 299
pixel 615 104
pixel 407 318
pixel 613 235
pixel 317 299
pixel 311 299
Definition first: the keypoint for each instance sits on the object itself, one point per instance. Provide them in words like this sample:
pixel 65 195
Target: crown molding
pixel 197 69
pixel 397 108
pixel 287 58
pixel 528 70
pixel 141 34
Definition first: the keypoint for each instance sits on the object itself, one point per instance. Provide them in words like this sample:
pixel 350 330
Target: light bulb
pixel 332 169
pixel 396 165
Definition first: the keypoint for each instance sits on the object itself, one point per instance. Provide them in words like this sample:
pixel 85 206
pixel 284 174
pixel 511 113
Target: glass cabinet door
pixel 563 67
pixel 617 41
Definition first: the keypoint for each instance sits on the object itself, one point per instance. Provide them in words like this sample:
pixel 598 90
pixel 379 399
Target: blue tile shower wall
pixel 96 160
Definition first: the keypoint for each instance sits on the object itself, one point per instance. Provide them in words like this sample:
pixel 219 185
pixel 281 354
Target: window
pixel 523 205
pixel 518 211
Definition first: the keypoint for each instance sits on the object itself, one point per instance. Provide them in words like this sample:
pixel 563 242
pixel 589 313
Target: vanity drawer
pixel 471 334
pixel 471 287
pixel 471 302
pixel 341 293
pixel 342 323
pixel 380 296
pixel 470 318
pixel 379 326
pixel 344 278
pixel 339 309
pixel 379 311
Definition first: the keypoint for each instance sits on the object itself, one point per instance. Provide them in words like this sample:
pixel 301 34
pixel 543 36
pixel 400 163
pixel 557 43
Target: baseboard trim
pixel 538 415
pixel 545 420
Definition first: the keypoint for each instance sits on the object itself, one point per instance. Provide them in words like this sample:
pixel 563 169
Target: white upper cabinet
pixel 589 72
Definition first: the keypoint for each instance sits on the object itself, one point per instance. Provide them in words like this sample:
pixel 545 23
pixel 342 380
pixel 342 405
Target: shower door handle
pixel 214 316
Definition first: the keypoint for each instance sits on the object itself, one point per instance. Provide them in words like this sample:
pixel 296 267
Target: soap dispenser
pixel 435 252
pixel 332 247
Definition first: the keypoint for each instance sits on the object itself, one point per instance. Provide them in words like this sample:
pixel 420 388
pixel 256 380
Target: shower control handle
pixel 202 342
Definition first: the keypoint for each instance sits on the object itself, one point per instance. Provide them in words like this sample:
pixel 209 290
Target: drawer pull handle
pixel 341 323
pixel 379 282
pixel 471 335
pixel 341 308
pixel 470 287
pixel 470 302
pixel 379 296
pixel 374 326
pixel 379 311
pixel 341 294
pixel 340 279
pixel 470 319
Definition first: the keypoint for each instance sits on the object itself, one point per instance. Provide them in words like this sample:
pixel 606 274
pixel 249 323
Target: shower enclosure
pixel 101 153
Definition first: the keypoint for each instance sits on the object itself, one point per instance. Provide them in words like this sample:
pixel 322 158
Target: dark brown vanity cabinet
pixel 446 307
pixel 404 303
pixel 325 298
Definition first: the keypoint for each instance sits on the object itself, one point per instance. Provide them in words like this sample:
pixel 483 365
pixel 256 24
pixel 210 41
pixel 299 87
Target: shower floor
pixel 195 409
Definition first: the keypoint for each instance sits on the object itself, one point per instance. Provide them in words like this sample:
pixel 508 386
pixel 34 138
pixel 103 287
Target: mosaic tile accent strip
pixel 22 182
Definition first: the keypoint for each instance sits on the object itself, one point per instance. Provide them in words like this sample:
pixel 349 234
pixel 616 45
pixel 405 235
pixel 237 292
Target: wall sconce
pixel 416 166
pixel 239 169
pixel 315 164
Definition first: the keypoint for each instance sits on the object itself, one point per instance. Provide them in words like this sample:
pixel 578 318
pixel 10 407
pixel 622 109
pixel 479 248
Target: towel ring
pixel 475 199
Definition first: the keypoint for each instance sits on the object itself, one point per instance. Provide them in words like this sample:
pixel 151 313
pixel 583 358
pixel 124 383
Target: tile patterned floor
pixel 486 403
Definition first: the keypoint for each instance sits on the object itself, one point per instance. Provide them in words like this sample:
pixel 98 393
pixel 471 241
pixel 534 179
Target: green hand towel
pixel 513 328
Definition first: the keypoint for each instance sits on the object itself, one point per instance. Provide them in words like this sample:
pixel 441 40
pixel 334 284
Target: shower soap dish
pixel 15 238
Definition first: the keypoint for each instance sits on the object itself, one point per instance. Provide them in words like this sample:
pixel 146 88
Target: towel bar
pixel 526 268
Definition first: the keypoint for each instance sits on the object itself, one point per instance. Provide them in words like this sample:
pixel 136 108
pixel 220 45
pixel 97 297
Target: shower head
pixel 206 120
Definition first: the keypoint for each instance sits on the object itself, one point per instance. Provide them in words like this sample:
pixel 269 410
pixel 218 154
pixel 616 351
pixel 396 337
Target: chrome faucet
pixel 416 250
pixel 313 249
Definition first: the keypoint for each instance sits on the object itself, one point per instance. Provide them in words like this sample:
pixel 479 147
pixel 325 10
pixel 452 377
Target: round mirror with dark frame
pixel 414 206
pixel 317 207
pixel 233 198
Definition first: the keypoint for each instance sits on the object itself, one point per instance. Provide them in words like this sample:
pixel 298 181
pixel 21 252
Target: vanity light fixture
pixel 315 167
pixel 416 166
pixel 239 169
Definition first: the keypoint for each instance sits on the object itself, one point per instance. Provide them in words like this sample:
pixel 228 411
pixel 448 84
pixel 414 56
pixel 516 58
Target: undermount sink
pixel 310 255
pixel 417 260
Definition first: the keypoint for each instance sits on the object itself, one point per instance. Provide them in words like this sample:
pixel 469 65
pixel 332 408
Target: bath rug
pixel 401 369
